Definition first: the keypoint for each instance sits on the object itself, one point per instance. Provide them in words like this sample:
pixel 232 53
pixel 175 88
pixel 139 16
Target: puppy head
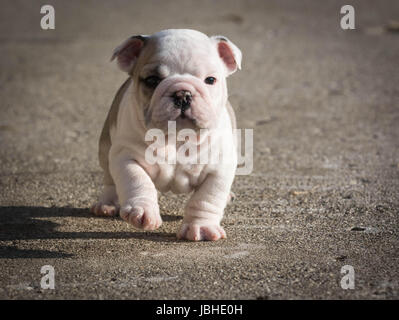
pixel 179 75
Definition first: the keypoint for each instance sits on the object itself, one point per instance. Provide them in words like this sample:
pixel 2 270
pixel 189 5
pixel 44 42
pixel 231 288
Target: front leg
pixel 137 194
pixel 204 210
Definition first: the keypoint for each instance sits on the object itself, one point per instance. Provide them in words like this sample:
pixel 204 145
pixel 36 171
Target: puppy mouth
pixel 183 114
pixel 183 118
pixel 183 122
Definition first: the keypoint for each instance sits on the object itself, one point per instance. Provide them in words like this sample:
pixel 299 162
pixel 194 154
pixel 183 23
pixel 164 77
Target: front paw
pixel 142 215
pixel 199 232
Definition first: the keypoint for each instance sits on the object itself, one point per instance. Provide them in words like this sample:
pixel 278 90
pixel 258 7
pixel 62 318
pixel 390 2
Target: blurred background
pixel 323 103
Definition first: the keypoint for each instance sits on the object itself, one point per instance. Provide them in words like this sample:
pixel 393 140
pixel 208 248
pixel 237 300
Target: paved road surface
pixel 323 104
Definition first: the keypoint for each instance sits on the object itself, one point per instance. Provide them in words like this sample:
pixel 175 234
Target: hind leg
pixel 107 204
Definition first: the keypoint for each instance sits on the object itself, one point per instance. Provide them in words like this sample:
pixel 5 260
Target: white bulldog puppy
pixel 175 77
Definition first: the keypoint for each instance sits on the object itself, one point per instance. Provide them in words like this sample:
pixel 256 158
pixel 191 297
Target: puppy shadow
pixel 29 223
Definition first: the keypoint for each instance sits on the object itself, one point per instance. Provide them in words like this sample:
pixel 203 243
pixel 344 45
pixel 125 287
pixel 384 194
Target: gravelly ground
pixel 323 104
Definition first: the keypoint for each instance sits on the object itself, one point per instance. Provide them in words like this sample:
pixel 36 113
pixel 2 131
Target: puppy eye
pixel 152 81
pixel 210 80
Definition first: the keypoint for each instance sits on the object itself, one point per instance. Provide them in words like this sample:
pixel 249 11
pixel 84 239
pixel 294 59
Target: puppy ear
pixel 229 53
pixel 128 52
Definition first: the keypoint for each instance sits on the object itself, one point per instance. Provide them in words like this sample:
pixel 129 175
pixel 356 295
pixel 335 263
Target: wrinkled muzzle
pixel 184 99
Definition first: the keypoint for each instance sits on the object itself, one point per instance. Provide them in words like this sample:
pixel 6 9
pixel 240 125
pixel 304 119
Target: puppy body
pixel 181 60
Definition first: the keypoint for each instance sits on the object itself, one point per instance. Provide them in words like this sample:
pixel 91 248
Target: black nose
pixel 182 99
